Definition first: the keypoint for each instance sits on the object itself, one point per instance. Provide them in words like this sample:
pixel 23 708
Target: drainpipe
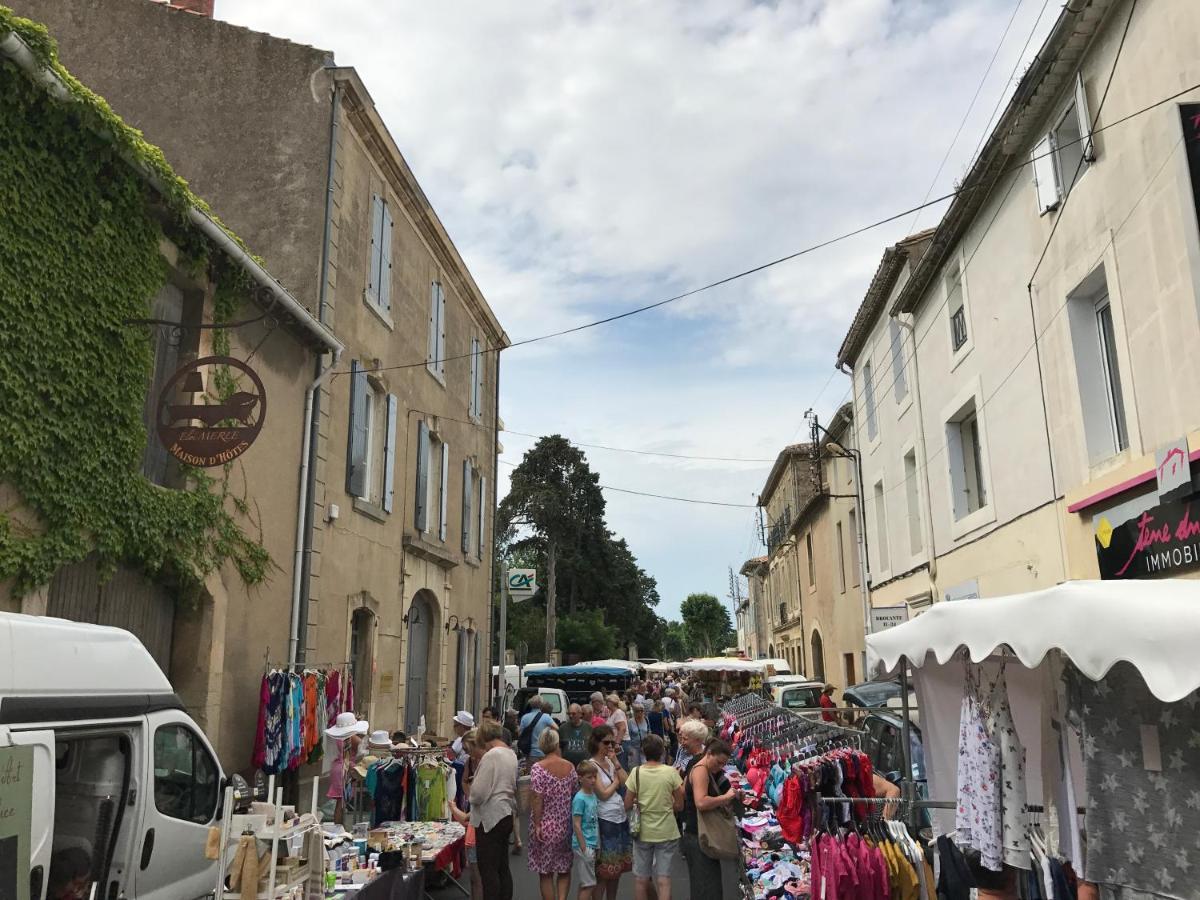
pixel 302 588
pixel 502 672
pixel 909 324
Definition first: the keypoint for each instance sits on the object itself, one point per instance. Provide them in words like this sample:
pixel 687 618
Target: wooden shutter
pixel 1045 179
pixel 376 243
pixel 389 454
pixel 385 261
pixel 422 504
pixel 360 428
pixel 483 505
pixel 431 354
pixel 1085 119
pixel 441 344
pixel 467 491
pixel 442 499
pixel 473 388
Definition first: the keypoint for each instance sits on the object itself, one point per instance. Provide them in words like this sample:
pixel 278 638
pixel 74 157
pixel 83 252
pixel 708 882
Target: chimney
pixel 199 7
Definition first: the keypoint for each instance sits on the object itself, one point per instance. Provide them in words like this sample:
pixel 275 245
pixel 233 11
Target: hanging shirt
pixel 1014 816
pixel 977 820
pixel 431 793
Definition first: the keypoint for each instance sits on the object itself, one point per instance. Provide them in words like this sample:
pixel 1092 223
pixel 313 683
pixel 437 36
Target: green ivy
pixel 79 255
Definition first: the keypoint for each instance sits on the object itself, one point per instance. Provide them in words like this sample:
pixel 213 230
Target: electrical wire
pixel 609 487
pixel 812 248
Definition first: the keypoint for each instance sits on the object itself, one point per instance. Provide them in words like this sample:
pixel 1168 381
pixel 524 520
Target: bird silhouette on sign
pixel 239 406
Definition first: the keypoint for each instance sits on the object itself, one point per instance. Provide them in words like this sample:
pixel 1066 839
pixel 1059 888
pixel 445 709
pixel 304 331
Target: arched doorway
pixel 362 656
pixel 770 651
pixel 419 651
pixel 818 657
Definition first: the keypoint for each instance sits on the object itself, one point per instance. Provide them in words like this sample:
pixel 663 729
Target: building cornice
pixel 362 115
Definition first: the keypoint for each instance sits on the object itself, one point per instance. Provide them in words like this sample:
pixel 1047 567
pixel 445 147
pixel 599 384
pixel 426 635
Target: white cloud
pixel 590 157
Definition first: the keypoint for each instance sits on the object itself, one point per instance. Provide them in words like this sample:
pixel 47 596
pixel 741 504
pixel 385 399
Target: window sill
pixel 985 515
pixel 472 562
pixel 957 356
pixel 369 509
pixel 382 316
pixel 904 405
pixel 439 377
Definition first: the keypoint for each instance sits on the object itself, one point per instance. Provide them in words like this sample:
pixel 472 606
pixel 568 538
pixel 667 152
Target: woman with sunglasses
pixel 615 856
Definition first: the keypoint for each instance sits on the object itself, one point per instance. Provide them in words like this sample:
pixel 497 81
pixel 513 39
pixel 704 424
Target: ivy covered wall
pixel 80 232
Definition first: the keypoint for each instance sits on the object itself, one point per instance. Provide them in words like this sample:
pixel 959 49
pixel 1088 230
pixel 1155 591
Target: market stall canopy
pixel 723 664
pixel 1154 625
pixel 580 670
pixel 659 668
pixel 631 665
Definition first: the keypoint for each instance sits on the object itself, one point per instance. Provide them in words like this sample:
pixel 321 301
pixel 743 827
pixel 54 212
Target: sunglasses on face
pixel 609 743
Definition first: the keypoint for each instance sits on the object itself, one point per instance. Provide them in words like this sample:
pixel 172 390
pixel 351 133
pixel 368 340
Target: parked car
pixel 791 692
pixel 883 742
pixel 119 770
pixel 557 699
pixel 874 694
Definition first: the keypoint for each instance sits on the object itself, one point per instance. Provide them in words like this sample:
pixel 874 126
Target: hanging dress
pixel 978 818
pixel 1014 816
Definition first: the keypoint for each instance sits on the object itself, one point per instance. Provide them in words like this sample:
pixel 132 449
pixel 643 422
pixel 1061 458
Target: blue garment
pixel 656 723
pixel 275 758
pixel 775 783
pixel 295 720
pixel 588 809
pixel 542 724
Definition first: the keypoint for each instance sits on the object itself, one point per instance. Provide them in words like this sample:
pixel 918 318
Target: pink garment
pixel 757 778
pixel 597 721
pixel 333 698
pixel 847 873
pixel 337 774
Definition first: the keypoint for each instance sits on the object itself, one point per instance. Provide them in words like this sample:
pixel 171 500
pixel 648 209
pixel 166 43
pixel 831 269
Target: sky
pixel 591 157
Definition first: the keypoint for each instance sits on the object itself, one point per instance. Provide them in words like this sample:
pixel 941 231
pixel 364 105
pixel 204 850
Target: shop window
pixel 185 776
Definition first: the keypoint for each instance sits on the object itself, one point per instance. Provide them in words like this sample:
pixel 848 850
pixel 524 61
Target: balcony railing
pixel 958 327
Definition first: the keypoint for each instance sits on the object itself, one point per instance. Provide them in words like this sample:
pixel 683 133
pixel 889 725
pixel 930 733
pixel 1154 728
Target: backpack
pixel 525 739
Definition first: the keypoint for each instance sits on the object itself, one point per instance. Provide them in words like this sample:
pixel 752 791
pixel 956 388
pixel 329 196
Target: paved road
pixel 525 883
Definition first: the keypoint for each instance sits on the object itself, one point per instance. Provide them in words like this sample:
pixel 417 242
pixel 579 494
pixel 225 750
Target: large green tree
pixel 676 642
pixel 707 622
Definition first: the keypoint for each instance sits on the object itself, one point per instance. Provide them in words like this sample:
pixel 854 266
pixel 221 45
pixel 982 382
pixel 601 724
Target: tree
pixel 557 498
pixel 707 622
pixel 676 645
pixel 586 635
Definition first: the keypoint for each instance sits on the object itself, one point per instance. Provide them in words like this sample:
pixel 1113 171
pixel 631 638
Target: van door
pixel 180 801
pixel 42 824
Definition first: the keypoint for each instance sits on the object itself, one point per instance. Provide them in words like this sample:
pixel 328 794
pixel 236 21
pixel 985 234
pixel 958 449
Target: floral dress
pixel 550 852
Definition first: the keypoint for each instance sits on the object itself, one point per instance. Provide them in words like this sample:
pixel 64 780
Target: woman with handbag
pixel 653 794
pixel 615 856
pixel 709 831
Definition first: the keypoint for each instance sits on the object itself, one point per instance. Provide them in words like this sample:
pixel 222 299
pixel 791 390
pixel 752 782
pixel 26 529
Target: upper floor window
pixel 1097 368
pixel 433 475
pixel 913 496
pixel 899 376
pixel 475 389
pixel 1060 157
pixel 379 282
pixel 881 527
pixel 812 562
pixel 371 456
pixel 965 450
pixel 956 306
pixel 436 358
pixel 869 400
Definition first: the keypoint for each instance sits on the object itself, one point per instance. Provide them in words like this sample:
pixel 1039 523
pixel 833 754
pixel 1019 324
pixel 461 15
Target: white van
pixel 122 776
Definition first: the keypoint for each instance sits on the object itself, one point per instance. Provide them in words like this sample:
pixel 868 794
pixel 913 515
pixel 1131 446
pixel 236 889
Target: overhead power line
pixel 812 248
pixel 609 487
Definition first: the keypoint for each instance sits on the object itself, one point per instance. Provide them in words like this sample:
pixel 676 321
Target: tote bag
pixel 635 812
pixel 717 831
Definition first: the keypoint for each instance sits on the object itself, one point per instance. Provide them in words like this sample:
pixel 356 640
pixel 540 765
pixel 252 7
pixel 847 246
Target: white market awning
pixel 724 664
pixel 1154 625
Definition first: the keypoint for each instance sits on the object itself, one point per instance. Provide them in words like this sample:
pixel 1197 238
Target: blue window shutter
pixel 356 454
pixel 479 364
pixel 385 261
pixel 422 505
pixel 376 244
pixel 467 491
pixel 473 387
pixel 442 523
pixel 483 505
pixel 389 454
pixel 441 347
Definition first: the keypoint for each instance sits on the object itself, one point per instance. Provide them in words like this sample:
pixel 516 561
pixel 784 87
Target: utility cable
pixel 812 248
pixel 609 487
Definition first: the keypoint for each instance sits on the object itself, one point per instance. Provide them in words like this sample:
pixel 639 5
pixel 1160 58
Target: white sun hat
pixel 347 724
pixel 464 718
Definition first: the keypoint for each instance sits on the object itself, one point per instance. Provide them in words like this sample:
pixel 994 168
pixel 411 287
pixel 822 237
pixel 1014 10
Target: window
pixel 379 283
pixel 956 306
pixel 782 611
pixel 185 776
pixel 852 520
pixel 436 358
pixel 371 456
pixel 468 519
pixel 881 537
pixel 1060 156
pixel 848 665
pixel 475 398
pixel 812 563
pixel 433 469
pixel 481 531
pixel 869 399
pixel 965 448
pixel 841 551
pixel 818 657
pixel 915 538
pixel 899 376
pixel 460 672
pixel 1097 369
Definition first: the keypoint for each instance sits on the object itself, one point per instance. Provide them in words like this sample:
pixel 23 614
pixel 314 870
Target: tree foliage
pixel 707 622
pixel 555 495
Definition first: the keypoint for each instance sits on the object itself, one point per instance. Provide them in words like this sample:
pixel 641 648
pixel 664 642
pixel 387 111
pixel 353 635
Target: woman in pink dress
pixel 552 783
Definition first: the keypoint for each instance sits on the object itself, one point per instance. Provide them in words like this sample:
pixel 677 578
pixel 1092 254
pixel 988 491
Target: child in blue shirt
pixel 585 825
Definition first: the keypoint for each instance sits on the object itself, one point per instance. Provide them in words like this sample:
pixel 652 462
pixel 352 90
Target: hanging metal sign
pixel 200 430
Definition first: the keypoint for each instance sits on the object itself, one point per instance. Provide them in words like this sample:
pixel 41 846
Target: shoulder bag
pixel 717 830
pixel 635 812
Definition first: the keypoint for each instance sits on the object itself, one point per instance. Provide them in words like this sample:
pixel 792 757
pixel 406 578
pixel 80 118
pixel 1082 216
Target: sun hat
pixel 380 740
pixel 347 724
pixel 464 718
